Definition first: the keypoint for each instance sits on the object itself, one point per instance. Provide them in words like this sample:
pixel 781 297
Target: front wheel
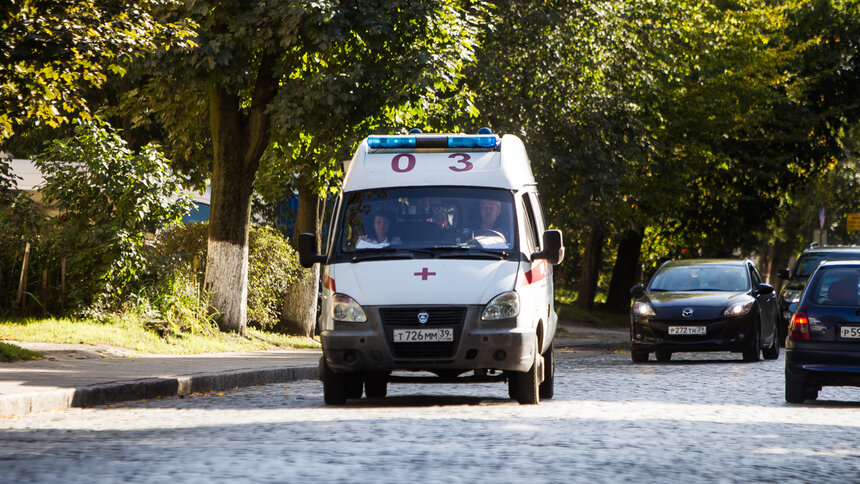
pixel 639 356
pixel 334 385
pixel 753 353
pixel 546 388
pixel 663 356
pixel 524 386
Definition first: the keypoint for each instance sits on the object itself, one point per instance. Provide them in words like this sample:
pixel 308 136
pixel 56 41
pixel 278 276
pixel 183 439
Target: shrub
pixel 111 198
pixel 272 265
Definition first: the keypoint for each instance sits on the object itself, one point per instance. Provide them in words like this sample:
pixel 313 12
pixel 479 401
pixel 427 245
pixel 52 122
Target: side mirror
pixel 553 247
pixel 308 251
pixel 765 289
pixel 783 274
pixel 637 291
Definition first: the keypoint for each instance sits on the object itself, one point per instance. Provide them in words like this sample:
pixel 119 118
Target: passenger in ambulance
pixel 378 238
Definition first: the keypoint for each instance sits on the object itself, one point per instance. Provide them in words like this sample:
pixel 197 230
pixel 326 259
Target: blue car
pixel 823 345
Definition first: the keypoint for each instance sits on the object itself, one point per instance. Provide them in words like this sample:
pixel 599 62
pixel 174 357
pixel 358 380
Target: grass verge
pixel 129 332
pixel 10 353
pixel 595 318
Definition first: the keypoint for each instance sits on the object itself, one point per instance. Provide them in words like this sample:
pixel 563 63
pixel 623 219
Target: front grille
pixel 399 318
pixel 409 316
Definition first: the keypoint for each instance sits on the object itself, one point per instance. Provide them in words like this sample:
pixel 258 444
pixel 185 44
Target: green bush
pixel 272 265
pixel 111 199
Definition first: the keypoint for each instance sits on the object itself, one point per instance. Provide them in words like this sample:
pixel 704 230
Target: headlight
pixel 503 306
pixel 791 295
pixel 643 309
pixel 344 308
pixel 738 308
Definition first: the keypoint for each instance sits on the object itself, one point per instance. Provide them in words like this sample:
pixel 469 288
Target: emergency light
pixel 484 141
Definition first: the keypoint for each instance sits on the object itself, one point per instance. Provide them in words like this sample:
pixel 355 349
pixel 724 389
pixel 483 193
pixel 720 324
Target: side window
pixel 530 225
pixel 540 216
pixel 755 277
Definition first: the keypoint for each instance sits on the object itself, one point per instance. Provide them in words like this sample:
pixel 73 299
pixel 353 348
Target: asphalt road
pixel 699 418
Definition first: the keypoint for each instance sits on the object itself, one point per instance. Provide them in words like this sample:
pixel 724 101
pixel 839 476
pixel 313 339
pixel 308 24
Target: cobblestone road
pixel 700 418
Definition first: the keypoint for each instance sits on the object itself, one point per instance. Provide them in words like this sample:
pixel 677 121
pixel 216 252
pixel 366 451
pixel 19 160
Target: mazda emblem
pixel 423 317
pixel 687 312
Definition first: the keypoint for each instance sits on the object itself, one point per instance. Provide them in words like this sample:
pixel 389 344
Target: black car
pixel 823 345
pixel 704 305
pixel 806 263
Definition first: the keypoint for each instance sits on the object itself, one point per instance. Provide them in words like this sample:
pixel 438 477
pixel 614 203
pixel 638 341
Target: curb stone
pixel 100 394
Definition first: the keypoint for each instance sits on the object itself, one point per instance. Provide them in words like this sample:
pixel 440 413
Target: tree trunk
pixel 625 271
pixel 300 315
pixel 238 141
pixel 590 269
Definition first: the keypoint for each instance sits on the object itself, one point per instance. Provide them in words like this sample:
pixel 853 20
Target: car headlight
pixel 344 308
pixel 503 306
pixel 643 309
pixel 738 308
pixel 791 295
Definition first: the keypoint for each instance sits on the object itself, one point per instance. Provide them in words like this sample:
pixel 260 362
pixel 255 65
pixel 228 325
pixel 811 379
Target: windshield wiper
pixel 458 251
pixel 388 253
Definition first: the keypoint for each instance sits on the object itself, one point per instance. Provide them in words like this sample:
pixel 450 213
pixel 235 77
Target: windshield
pixel 421 218
pixel 701 278
pixel 808 262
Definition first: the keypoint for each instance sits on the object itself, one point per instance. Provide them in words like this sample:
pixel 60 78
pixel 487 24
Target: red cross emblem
pixel 424 274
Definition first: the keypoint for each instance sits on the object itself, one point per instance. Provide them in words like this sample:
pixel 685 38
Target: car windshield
pixel 710 277
pixel 808 262
pixel 412 222
pixel 836 286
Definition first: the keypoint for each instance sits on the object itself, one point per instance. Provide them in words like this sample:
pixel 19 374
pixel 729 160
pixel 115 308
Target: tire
pixel 376 385
pixel 753 353
pixel 772 351
pixel 663 356
pixel 334 386
pixel 546 389
pixel 526 384
pixel 795 390
pixel 354 385
pixel 639 356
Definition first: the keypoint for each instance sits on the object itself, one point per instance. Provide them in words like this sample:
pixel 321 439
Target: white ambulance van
pixel 438 268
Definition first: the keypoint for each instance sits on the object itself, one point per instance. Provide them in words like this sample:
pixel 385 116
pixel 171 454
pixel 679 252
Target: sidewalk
pixel 82 376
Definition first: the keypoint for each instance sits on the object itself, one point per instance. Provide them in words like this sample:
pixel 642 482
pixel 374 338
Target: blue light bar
pixel 434 141
pixel 482 141
pixel 377 142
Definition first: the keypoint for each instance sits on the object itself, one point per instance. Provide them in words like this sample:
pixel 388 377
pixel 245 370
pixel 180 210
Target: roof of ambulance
pixel 507 166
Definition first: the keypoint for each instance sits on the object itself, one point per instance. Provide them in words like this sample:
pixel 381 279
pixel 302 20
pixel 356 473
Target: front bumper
pixel 823 363
pixel 498 345
pixel 733 334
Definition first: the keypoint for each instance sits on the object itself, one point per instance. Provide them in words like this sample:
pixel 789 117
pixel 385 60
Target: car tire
pixel 639 356
pixel 795 390
pixel 334 385
pixel 772 351
pixel 663 356
pixel 753 353
pixel 376 385
pixel 546 389
pixel 354 385
pixel 526 384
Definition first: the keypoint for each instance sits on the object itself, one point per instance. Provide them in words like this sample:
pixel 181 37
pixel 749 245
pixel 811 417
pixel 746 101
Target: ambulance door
pixel 537 274
pixel 535 209
pixel 532 278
